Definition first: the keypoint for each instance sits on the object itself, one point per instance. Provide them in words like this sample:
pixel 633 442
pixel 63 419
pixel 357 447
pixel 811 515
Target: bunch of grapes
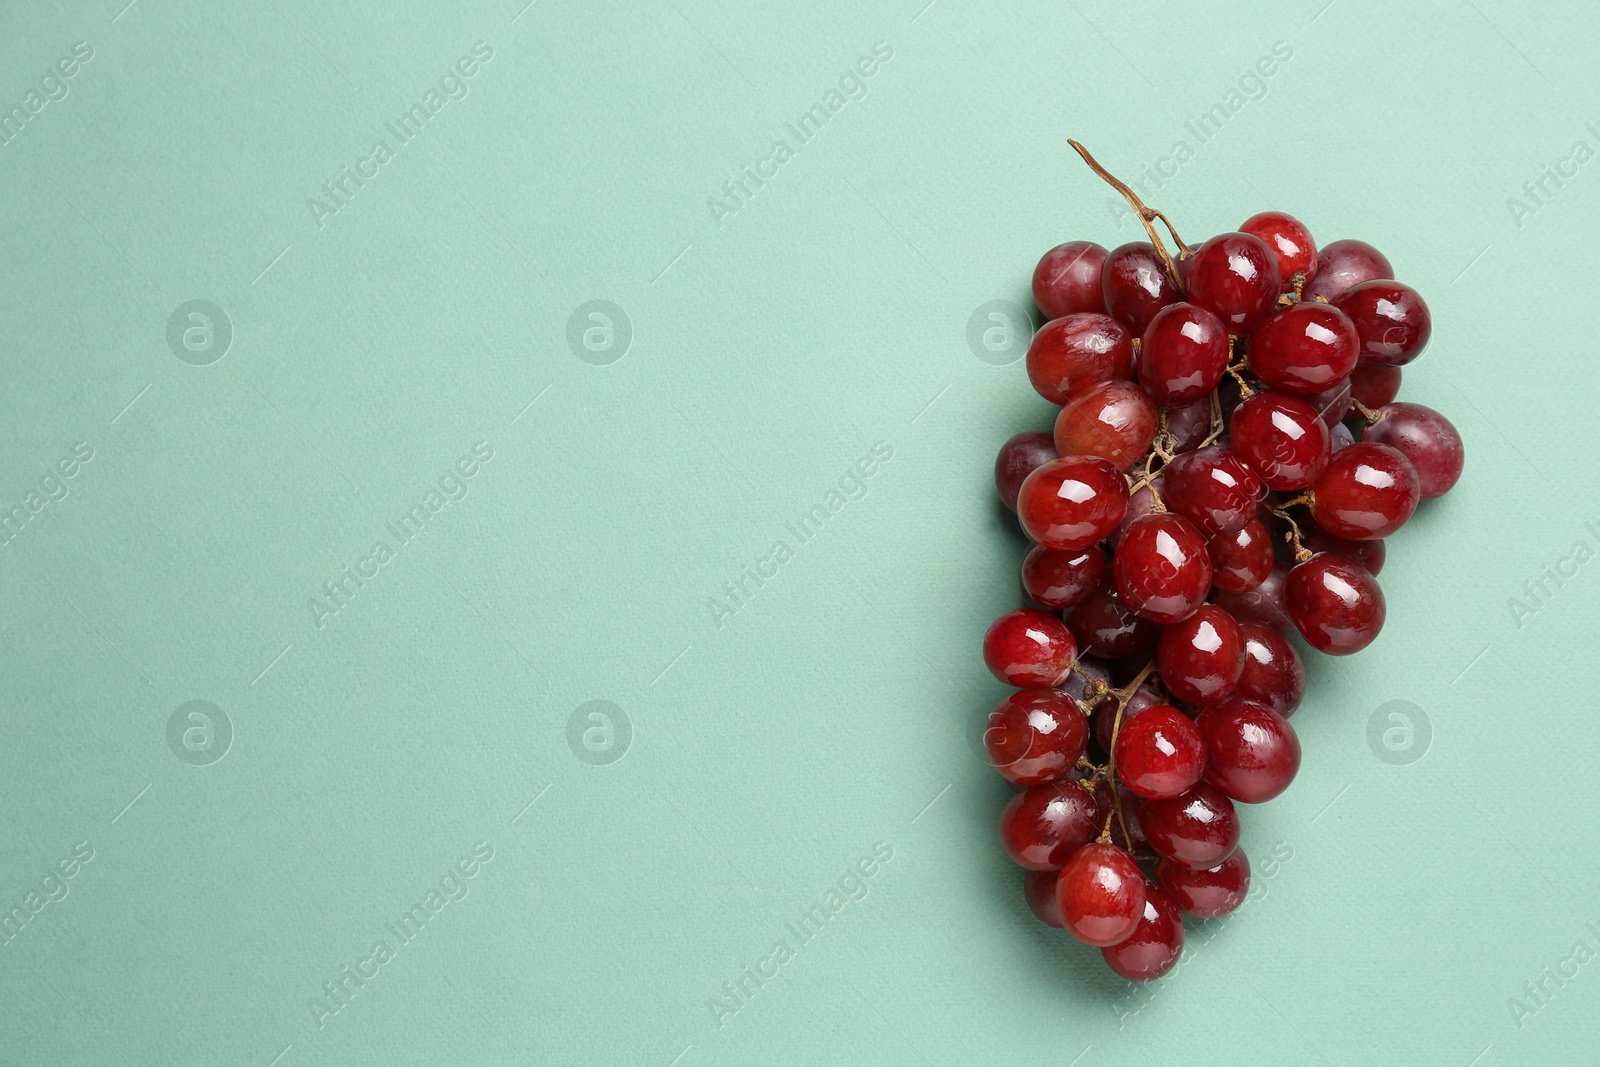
pixel 1228 459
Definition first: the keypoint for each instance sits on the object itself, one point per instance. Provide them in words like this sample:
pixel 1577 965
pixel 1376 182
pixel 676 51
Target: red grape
pixel 1213 488
pixel 1113 420
pixel 1235 277
pixel 1039 890
pixel 1335 604
pixel 1070 354
pixel 1058 579
pixel 1374 384
pixel 1253 753
pixel 1304 348
pixel 1370 554
pixel 1018 458
pixel 1105 716
pixel 1393 322
pixel 1189 424
pixel 1072 502
pixel 1028 648
pixel 1106 626
pixel 1282 437
pixel 1343 264
pixel 1426 438
pixel 1135 285
pixel 1264 604
pixel 1198 828
pixel 1100 895
pixel 1200 658
pixel 1156 942
pixel 1067 279
pixel 1290 243
pixel 1272 673
pixel 1044 825
pixel 1162 568
pixel 1241 560
pixel 1183 354
pixel 1159 752
pixel 1207 894
pixel 1035 736
pixel 1367 490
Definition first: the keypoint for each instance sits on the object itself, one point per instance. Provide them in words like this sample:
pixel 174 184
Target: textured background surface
pixel 352 353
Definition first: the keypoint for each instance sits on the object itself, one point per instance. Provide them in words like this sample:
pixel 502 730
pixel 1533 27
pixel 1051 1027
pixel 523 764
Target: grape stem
pixel 1217 425
pixel 1093 684
pixel 1147 216
pixel 1121 696
pixel 1301 552
pixel 1366 412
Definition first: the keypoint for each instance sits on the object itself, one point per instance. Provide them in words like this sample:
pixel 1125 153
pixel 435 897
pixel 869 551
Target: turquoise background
pixel 445 707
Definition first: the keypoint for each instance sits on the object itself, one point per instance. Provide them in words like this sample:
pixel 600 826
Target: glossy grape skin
pixel 1067 279
pixel 1332 403
pixel 1235 277
pixel 1213 488
pixel 1304 348
pixel 1062 580
pixel 1253 753
pixel 1366 491
pixel 1035 736
pixel 1272 674
pixel 1183 354
pixel 1018 458
pixel 1105 626
pixel 1282 437
pixel 1391 319
pixel 1039 890
pixel 1241 560
pixel 1029 648
pixel 1370 554
pixel 1426 438
pixel 1072 502
pixel 1335 604
pixel 1135 285
pixel 1044 825
pixel 1198 828
pixel 1343 264
pixel 1264 604
pixel 1159 753
pixel 1071 353
pixel 1207 894
pixel 1374 384
pixel 1162 568
pixel 1189 424
pixel 1290 243
pixel 1156 942
pixel 1200 658
pixel 1100 895
pixel 1115 420
pixel 1340 436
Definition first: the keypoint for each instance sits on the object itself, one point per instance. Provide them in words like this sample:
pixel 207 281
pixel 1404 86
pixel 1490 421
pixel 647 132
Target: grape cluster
pixel 1227 461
